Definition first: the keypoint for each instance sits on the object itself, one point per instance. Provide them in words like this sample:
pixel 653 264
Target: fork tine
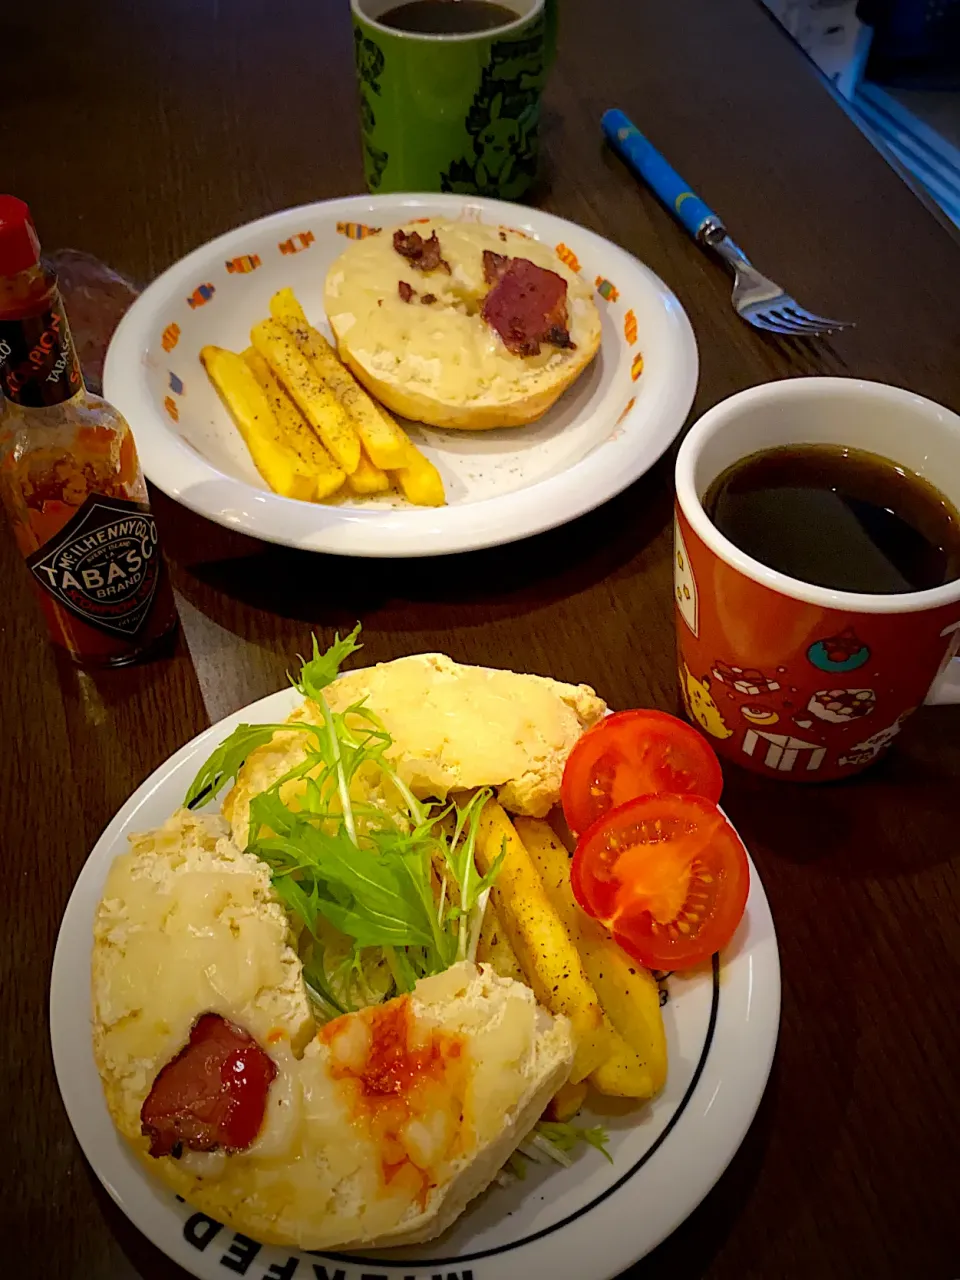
pixel 823 322
pixel 782 315
pixel 762 320
pixel 780 320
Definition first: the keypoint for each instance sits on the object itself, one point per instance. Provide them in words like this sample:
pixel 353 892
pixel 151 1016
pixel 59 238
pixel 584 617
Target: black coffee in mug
pixel 839 518
pixel 447 17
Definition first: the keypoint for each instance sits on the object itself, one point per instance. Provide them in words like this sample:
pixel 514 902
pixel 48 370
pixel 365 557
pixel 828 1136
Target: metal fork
pixel 756 299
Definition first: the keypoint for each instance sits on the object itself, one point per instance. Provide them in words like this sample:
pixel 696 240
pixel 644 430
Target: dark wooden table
pixel 137 131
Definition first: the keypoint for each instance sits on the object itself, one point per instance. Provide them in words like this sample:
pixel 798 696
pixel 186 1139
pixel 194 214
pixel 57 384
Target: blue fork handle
pixel 647 163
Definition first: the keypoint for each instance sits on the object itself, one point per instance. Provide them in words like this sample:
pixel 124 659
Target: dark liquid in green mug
pixel 447 17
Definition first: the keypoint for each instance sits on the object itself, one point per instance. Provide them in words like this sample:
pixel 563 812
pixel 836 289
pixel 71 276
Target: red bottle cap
pixel 19 245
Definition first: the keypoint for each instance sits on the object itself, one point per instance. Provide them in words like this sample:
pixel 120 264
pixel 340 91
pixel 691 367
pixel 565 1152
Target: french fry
pixel 420 480
pixel 285 306
pixel 567 1101
pixel 538 937
pixel 316 401
pixel 622 1074
pixel 494 949
pixel 628 993
pixel 284 470
pixel 368 478
pixel 385 442
pixel 299 434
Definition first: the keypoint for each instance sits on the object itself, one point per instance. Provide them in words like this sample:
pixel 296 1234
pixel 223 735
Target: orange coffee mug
pixel 792 680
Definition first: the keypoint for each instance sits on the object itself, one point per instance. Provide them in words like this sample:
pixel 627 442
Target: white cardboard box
pixel 831 33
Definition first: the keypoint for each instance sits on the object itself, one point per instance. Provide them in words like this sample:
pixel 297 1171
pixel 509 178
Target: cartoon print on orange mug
pixel 953 648
pixel 749 682
pixel 684 583
pixel 840 653
pixel 700 705
pixel 865 752
pixel 763 702
pixel 758 714
pixel 842 706
pixel 784 751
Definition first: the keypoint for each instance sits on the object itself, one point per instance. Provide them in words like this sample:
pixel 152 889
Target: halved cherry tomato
pixel 635 753
pixel 667 875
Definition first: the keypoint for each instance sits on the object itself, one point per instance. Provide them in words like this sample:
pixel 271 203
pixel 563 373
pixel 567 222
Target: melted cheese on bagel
pixel 454 727
pixel 434 357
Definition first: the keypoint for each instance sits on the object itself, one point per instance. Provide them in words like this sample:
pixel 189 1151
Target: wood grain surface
pixel 137 131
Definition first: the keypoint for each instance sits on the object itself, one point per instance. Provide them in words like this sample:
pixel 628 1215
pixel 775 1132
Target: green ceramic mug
pixel 451 113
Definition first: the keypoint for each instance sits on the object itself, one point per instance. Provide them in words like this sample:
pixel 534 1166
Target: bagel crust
pixel 438 361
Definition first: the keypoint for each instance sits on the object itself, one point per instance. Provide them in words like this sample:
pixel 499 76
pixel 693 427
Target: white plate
pixel 604 433
pixel 588 1222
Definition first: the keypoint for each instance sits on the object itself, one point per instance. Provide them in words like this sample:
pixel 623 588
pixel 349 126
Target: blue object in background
pixel 930 158
pixel 916 43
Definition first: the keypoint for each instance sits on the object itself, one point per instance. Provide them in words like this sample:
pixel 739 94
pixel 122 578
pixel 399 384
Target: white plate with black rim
pixel 605 432
pixel 588 1222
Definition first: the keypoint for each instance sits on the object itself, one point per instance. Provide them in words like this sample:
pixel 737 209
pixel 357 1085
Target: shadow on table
pixel 863 826
pixel 336 590
pixel 777 1176
pixel 145 1258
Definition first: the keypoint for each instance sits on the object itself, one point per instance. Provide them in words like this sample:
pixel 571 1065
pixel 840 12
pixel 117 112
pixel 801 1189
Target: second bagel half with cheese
pixel 377 1128
pixel 461 324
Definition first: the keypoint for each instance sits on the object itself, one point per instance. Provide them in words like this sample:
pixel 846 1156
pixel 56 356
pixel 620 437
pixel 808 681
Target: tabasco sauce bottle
pixel 69 474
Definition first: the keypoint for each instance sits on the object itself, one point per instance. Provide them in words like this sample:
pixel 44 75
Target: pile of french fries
pixel 312 430
pixel 537 931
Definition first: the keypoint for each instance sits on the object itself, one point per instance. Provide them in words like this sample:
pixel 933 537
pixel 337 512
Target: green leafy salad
pixel 350 846
pixel 384 886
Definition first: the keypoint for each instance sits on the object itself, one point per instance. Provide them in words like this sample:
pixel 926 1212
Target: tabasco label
pixel 38 361
pixel 103 565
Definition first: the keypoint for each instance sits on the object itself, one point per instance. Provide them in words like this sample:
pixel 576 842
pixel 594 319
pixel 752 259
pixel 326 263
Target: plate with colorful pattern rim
pixel 593 1219
pixel 608 429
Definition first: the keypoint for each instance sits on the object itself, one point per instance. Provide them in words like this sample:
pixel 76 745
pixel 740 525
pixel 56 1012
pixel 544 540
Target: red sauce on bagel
pixel 213 1095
